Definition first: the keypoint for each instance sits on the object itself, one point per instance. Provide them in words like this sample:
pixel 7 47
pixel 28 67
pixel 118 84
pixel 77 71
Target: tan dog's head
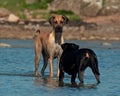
pixel 58 21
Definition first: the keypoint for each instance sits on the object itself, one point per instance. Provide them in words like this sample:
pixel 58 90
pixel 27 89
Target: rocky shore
pixel 94 28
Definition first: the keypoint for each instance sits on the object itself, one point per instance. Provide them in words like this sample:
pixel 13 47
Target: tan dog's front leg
pixel 58 71
pixel 58 62
pixel 51 66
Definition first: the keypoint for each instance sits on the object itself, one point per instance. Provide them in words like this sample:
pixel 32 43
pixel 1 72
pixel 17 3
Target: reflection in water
pixel 46 81
pixel 54 83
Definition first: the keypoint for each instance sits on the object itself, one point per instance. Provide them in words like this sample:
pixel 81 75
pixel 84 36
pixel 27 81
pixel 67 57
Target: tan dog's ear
pixel 65 19
pixel 51 20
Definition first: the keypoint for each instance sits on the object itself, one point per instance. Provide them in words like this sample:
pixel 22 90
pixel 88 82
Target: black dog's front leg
pixel 73 77
pixel 61 76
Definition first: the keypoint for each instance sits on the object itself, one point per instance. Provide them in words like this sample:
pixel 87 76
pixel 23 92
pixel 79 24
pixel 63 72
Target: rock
pixel 92 7
pixel 30 1
pixel 106 44
pixel 4 45
pixel 73 5
pixel 110 7
pixel 4 12
pixel 86 7
pixel 13 18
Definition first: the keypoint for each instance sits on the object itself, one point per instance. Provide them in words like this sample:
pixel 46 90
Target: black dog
pixel 74 61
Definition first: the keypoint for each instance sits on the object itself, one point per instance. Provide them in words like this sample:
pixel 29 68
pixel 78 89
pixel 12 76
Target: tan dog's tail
pixel 37 29
pixel 37 32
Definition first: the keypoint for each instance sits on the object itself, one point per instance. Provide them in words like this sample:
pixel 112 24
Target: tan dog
pixel 49 44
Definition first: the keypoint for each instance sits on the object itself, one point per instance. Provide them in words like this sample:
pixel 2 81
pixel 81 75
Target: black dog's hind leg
pixel 80 76
pixel 95 70
pixel 82 67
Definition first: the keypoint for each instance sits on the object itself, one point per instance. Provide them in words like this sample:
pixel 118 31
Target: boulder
pixel 91 7
pixel 30 1
pixel 110 7
pixel 4 45
pixel 68 5
pixel 4 12
pixel 79 7
pixel 13 18
pixel 86 7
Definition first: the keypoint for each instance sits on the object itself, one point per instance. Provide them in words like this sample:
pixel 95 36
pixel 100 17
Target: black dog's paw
pixel 81 84
pixel 74 84
pixel 61 83
pixel 98 82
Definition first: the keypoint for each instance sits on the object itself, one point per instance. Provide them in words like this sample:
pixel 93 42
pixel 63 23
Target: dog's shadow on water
pixel 54 83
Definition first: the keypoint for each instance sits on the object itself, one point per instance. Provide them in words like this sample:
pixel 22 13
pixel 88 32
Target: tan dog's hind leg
pixel 37 55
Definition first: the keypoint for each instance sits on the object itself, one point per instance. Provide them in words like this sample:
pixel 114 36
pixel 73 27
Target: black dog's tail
pixel 87 55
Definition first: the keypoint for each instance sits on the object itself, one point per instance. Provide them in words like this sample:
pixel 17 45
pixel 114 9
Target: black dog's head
pixel 69 46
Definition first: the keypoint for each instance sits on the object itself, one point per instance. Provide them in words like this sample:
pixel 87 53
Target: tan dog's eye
pixel 55 22
pixel 61 22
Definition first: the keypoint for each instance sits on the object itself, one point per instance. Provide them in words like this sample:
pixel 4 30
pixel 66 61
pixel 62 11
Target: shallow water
pixel 17 69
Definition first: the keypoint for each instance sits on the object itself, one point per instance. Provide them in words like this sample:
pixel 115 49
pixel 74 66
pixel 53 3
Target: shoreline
pixel 69 33
pixel 94 28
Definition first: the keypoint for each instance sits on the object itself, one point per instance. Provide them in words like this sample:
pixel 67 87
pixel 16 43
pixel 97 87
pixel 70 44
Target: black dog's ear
pixel 51 19
pixel 75 46
pixel 63 46
pixel 65 19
